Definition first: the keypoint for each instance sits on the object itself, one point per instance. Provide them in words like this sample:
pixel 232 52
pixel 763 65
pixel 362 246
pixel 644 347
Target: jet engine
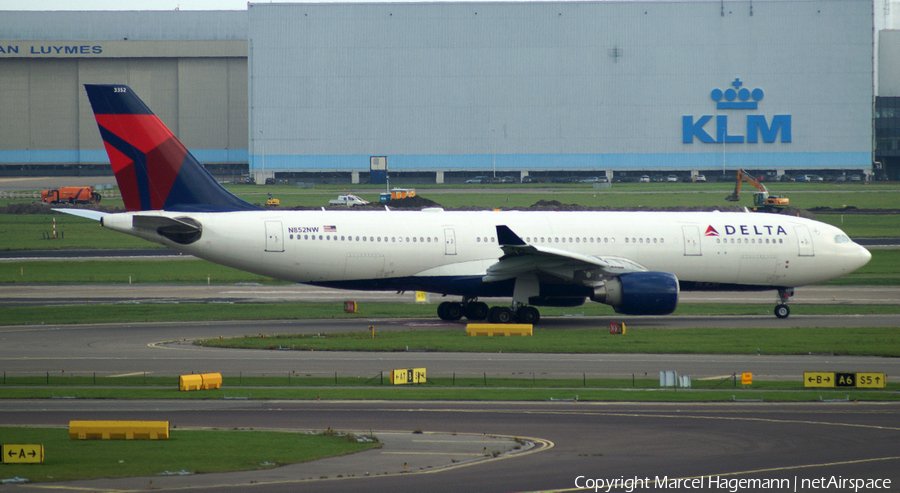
pixel 639 293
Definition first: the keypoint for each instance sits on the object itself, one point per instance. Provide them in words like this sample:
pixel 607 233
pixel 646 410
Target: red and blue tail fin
pixel 153 168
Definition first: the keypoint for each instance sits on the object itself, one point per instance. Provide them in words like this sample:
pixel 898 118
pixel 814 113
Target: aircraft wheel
pixel 782 311
pixel 477 311
pixel 528 315
pixel 500 315
pixel 442 310
pixel 450 311
pixel 453 311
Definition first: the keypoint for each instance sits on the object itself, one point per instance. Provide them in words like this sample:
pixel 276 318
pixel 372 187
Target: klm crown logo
pixel 737 98
pixel 742 94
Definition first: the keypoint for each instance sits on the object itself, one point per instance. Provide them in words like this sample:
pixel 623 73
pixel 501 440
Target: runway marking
pixel 411 452
pixel 762 420
pixel 720 377
pixel 75 488
pixel 449 441
pixel 586 412
pixel 753 471
pixel 133 374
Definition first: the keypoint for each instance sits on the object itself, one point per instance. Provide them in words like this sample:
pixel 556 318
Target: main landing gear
pixel 473 310
pixel 781 309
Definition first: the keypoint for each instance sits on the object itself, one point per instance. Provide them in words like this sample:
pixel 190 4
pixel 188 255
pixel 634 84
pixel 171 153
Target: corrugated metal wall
pixel 190 69
pixel 114 25
pixel 889 64
pixel 47 118
pixel 544 85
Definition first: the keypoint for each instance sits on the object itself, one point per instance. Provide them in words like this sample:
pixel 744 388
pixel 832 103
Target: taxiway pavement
pixel 569 443
pixel 66 294
pixel 572 443
pixel 168 349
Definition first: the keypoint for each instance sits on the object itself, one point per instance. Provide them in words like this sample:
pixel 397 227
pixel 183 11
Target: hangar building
pixel 189 67
pixel 445 90
pixel 543 86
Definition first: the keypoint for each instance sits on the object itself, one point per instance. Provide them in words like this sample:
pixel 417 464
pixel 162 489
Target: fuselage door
pixel 274 237
pixel 804 241
pixel 449 241
pixel 691 240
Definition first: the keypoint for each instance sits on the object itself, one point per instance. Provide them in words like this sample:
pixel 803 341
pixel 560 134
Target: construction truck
pixel 70 195
pixel 761 199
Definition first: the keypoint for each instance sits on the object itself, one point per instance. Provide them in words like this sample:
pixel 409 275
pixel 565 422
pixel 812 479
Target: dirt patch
pixel 417 202
pixel 41 208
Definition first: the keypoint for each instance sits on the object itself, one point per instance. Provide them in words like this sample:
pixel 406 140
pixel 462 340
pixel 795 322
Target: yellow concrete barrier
pixel 202 381
pixel 211 381
pixel 119 430
pixel 491 330
pixel 190 382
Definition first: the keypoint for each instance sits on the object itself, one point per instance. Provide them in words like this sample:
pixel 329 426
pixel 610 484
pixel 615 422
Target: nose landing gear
pixel 781 309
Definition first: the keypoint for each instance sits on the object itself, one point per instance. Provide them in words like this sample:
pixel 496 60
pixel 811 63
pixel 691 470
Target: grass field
pixel 174 312
pixel 864 225
pixel 496 389
pixel 189 270
pixel 804 195
pixel 869 341
pixel 882 270
pixel 166 387
pixel 193 451
pixel 30 231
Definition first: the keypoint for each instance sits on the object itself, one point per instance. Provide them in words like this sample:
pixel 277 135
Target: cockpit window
pixel 841 239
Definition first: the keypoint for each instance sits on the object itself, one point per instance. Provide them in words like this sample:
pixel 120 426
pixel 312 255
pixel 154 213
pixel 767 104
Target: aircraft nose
pixel 863 255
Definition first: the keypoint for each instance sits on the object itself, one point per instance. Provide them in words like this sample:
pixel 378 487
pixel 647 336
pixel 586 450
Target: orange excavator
pixel 761 199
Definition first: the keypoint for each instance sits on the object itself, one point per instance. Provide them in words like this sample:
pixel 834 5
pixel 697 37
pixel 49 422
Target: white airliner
pixel 637 262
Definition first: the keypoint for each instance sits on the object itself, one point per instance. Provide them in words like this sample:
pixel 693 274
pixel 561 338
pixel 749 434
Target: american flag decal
pixel 330 229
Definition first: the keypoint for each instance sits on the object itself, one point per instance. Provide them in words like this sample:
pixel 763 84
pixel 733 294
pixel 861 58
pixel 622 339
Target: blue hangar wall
pixel 561 85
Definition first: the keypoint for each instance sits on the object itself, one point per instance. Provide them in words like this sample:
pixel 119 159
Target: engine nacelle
pixel 640 293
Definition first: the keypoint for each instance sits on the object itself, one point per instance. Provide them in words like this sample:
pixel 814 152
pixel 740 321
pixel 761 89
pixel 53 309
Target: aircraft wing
pixel 521 259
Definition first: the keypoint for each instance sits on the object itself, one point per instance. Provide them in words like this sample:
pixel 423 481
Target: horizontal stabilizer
pixel 85 213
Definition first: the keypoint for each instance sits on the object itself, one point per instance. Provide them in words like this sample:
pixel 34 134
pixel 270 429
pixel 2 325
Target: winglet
pixel 506 237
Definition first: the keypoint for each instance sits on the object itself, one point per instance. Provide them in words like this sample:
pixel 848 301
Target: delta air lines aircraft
pixel 637 262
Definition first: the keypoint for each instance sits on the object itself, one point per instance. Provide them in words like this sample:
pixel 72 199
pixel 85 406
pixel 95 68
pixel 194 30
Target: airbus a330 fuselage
pixel 634 261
